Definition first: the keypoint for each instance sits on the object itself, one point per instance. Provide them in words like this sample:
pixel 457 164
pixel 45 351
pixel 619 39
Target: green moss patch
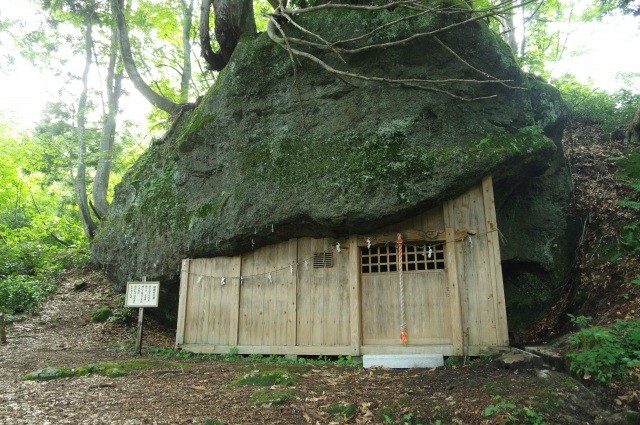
pixel 267 378
pixel 102 314
pixel 270 397
pixel 110 369
pixel 47 374
pixel 341 411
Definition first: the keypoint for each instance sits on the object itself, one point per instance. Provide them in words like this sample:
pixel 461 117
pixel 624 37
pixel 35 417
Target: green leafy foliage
pixel 591 105
pixel 603 353
pixel 20 293
pixel 39 234
pixel 629 170
pixel 509 413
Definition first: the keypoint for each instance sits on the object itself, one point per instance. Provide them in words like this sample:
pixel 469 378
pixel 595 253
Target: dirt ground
pixel 174 390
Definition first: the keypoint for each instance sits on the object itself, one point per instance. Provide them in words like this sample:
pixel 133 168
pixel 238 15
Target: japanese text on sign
pixel 142 294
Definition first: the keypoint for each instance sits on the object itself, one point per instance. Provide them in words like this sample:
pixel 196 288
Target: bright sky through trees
pixel 607 49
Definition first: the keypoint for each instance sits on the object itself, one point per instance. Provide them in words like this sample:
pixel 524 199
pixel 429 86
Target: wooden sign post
pixel 3 334
pixel 142 294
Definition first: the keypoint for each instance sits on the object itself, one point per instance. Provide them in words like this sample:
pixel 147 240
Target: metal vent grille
pixel 322 260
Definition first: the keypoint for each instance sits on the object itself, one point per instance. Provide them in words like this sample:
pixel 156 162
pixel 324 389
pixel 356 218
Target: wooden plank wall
pixel 211 306
pixel 479 275
pixel 310 310
pixel 323 296
pixel 268 306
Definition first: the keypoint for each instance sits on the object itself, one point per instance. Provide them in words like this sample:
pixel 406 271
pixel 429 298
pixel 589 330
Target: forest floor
pixel 110 385
pixel 156 389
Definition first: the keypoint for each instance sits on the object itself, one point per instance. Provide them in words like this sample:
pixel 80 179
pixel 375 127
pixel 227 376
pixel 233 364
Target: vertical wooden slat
pixel 234 305
pixel 204 297
pixel 340 286
pixel 303 298
pixel 457 333
pixel 328 287
pixel 211 297
pixel 292 308
pixel 493 245
pixel 354 296
pixel 182 302
pixel 192 307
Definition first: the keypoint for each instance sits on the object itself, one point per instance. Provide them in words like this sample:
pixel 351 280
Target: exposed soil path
pixel 185 391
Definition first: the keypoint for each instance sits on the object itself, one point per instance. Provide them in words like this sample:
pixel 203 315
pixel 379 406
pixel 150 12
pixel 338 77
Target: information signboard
pixel 142 294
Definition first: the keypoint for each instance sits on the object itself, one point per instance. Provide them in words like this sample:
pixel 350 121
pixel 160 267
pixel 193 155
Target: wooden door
pixel 427 306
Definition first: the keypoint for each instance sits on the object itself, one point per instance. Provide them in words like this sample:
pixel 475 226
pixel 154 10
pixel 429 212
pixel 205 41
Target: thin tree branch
pixel 492 79
pixel 413 83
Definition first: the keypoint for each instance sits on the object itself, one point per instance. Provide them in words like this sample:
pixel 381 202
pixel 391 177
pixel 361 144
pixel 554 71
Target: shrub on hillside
pixel 19 293
pixel 603 353
pixel 592 105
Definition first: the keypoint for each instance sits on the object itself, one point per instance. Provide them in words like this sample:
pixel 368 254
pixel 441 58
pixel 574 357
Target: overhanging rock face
pixel 271 154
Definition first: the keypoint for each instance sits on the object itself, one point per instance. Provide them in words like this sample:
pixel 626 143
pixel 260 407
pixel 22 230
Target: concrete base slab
pixel 403 361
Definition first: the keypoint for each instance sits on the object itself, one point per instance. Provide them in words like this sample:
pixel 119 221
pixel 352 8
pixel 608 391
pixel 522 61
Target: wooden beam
pixel 495 267
pixel 182 301
pixel 444 349
pixel 355 314
pixel 457 333
pixel 414 236
pixel 302 350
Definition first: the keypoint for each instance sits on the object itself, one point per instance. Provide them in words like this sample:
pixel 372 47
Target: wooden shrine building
pixel 355 296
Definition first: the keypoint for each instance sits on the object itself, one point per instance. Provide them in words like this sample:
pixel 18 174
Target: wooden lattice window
pixel 323 260
pixel 415 257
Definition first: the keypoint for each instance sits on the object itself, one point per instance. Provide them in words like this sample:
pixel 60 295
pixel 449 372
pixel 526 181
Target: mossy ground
pixel 110 369
pixel 102 314
pixel 267 378
pixel 270 397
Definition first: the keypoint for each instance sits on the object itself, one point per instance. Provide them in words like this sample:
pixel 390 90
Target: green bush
pixel 605 353
pixel 592 105
pixel 20 293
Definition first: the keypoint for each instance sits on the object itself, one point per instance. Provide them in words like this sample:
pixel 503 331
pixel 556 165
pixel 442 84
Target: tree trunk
pixel 80 182
pixel 633 132
pixel 187 15
pixel 523 42
pixel 107 137
pixel 232 19
pixel 508 30
pixel 154 98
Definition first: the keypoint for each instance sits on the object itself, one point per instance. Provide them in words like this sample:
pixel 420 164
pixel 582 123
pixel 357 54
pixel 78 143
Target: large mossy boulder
pixel 272 152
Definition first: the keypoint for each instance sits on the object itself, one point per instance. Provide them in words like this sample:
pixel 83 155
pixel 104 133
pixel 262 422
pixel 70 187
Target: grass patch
pixel 267 378
pixel 270 397
pixel 110 369
pixel 341 411
pixel 400 412
pixel 233 356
